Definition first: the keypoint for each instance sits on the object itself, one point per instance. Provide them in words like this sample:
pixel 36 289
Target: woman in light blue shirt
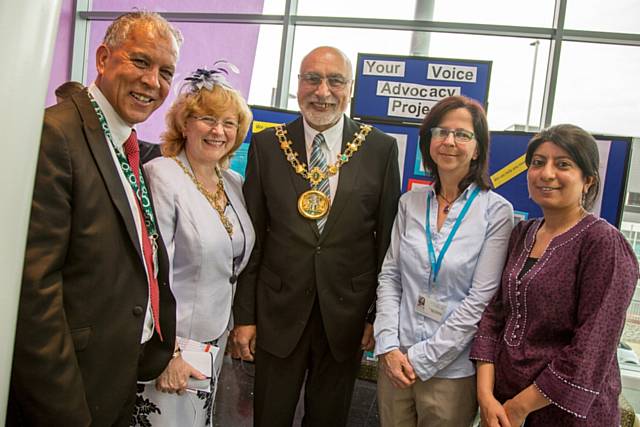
pixel 448 247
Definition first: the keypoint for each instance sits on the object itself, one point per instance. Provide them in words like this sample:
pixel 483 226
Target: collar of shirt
pixel 120 130
pixel 431 190
pixel 332 136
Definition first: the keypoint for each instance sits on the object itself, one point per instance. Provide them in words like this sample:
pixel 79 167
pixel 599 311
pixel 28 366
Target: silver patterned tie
pixel 318 160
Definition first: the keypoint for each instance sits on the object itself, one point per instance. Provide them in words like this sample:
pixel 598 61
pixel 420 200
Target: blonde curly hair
pixel 216 102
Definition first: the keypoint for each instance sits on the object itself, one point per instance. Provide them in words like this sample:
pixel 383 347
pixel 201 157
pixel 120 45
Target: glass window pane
pixel 630 340
pixel 511 73
pixel 597 88
pixel 264 79
pixel 620 16
pixel 199 50
pixel 273 7
pixel 497 12
pixel 505 12
pixel 398 9
pixel 208 6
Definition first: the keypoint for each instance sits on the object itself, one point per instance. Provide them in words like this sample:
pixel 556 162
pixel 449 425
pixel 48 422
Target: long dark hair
pixel 479 167
pixel 582 149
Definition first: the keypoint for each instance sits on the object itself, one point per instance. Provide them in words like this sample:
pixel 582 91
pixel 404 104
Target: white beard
pixel 320 118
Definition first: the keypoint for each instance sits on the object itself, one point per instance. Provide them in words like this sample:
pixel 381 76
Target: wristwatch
pixel 176 352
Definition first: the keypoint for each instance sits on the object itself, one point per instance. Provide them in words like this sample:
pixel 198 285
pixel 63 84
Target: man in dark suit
pixel 312 276
pixel 96 312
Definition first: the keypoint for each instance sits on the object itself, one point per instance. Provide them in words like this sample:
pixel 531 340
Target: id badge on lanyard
pixel 427 305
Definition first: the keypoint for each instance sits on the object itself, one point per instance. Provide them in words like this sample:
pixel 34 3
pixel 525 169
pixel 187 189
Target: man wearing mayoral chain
pixel 96 312
pixel 322 193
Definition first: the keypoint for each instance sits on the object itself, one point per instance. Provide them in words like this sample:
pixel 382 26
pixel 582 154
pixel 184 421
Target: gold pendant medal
pixel 313 204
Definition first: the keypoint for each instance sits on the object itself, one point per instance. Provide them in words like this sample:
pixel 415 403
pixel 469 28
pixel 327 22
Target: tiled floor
pixel 234 401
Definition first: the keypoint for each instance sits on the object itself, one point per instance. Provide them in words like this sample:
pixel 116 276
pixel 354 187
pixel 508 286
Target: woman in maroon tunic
pixel 546 344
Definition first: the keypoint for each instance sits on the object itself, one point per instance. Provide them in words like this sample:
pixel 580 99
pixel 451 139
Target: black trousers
pixel 328 386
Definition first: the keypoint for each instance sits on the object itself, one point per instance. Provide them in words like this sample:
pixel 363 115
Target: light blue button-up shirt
pixel 468 278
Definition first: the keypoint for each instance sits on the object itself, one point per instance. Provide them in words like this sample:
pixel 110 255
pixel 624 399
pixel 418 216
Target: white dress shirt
pixel 120 132
pixel 330 149
pixel 468 277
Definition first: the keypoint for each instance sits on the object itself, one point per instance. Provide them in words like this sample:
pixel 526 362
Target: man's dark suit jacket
pixel 292 264
pixel 84 290
pixel 148 151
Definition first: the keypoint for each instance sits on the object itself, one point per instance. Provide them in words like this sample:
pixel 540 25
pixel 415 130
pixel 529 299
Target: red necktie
pixel 132 151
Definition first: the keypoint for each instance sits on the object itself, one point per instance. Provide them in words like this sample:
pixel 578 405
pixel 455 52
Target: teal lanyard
pixel 436 263
pixel 141 192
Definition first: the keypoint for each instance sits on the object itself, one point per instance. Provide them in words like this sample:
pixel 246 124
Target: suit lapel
pixel 102 155
pixel 346 178
pixel 295 132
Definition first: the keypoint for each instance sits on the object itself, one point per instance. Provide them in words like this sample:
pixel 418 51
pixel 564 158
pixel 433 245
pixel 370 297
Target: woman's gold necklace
pixel 314 204
pixel 216 200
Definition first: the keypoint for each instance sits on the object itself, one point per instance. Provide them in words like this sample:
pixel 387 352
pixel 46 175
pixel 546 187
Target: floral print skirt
pixel 158 409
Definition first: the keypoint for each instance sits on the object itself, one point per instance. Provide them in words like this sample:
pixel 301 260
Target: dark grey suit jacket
pixel 84 290
pixel 292 264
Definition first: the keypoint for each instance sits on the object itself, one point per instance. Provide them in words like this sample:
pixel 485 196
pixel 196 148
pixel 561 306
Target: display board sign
pixel 263 117
pixel 412 173
pixel 506 163
pixel 404 88
pixel 509 177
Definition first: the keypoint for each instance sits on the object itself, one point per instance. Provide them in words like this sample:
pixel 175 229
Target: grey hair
pixel 119 29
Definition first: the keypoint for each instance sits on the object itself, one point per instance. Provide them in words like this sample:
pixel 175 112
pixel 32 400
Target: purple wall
pixel 61 65
pixel 210 6
pixel 204 43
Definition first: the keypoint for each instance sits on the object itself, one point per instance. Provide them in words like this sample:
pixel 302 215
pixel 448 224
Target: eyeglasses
pixel 213 122
pixel 459 135
pixel 334 82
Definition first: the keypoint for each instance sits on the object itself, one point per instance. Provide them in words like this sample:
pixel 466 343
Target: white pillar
pixel 27 35
pixel 420 40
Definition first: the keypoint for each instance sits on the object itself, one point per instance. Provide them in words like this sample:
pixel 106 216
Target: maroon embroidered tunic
pixel 559 325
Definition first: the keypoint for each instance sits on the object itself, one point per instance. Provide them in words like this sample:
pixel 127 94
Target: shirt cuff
pixel 385 344
pixel 566 395
pixel 483 349
pixel 422 366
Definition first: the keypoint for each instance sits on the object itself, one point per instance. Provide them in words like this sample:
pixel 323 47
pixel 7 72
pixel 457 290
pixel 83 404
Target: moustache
pixel 325 100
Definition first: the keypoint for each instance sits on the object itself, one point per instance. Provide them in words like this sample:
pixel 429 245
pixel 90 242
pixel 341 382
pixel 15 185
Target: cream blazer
pixel 199 248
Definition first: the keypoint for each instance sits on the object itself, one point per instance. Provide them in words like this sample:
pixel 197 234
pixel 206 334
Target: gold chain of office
pixel 314 204
pixel 316 175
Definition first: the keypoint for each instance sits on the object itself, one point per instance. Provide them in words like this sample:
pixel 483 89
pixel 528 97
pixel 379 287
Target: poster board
pixel 263 117
pixel 509 178
pixel 402 89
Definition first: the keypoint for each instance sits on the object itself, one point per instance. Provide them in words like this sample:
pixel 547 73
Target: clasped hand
pixel 397 367
pixel 243 342
pixel 494 414
pixel 176 375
